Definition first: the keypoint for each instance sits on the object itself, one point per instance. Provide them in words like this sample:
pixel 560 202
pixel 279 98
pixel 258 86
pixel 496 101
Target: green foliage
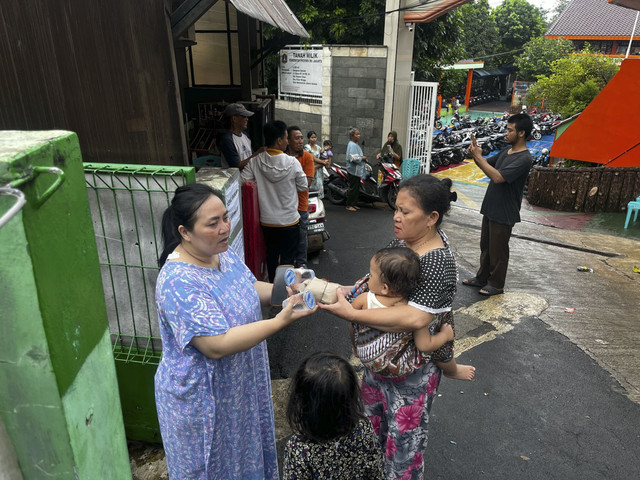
pixel 479 30
pixel 518 22
pixel 581 95
pixel 538 56
pixel 436 44
pixel 574 82
pixel 450 82
pixel 335 21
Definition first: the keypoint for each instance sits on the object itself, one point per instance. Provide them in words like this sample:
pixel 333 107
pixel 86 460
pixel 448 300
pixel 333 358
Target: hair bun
pixel 453 196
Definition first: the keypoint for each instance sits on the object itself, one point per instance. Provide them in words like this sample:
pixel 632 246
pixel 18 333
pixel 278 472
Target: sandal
pixel 352 209
pixel 472 282
pixel 488 291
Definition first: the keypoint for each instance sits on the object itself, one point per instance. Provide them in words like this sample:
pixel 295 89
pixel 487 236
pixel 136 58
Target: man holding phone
pixel 508 171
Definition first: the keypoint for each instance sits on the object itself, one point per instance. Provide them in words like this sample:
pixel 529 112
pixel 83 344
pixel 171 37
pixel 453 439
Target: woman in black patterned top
pixel 399 407
pixel 334 440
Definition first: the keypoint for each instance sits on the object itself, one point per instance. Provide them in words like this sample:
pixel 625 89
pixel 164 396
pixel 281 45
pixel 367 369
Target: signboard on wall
pixel 301 72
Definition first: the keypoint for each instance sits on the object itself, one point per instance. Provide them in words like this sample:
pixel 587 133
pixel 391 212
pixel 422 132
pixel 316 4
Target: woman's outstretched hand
pixel 288 315
pixel 342 308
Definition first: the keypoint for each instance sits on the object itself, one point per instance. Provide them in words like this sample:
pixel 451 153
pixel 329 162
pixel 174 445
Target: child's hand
pixel 341 307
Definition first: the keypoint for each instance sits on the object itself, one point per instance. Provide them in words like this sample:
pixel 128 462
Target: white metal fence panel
pixel 422 113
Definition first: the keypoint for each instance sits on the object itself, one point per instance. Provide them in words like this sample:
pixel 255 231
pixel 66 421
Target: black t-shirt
pixel 502 201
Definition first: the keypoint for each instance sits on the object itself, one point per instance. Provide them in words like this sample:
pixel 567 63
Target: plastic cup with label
pixel 301 301
pixel 295 277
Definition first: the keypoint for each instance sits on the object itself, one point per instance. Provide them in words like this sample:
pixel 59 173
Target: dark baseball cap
pixel 236 109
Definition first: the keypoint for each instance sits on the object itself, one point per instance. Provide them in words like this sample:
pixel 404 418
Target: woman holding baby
pixel 399 407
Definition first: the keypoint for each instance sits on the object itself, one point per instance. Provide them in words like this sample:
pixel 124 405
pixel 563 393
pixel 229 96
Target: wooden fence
pixel 584 189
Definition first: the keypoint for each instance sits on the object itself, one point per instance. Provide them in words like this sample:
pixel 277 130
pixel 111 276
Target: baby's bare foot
pixel 463 372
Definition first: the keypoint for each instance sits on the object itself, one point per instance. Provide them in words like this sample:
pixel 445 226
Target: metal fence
pixel 421 120
pixel 127 203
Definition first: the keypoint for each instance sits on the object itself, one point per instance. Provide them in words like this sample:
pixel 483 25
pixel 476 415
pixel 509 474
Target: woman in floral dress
pixel 399 407
pixel 213 389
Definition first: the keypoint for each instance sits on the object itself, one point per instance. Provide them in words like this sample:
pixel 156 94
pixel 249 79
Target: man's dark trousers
pixel 282 246
pixel 303 224
pixel 494 253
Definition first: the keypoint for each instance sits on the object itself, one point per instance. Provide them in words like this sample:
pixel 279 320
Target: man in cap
pixel 234 144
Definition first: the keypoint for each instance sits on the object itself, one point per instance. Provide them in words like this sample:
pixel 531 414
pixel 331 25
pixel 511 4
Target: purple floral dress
pixel 216 416
pixel 399 407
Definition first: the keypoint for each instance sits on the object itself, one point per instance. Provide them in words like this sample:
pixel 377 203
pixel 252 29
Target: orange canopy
pixel 607 131
pixel 428 12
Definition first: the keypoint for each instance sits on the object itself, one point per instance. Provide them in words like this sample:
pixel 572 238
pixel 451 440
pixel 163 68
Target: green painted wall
pixel 59 397
pixel 28 392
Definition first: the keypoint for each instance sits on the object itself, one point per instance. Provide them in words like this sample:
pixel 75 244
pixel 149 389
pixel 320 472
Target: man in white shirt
pixel 234 144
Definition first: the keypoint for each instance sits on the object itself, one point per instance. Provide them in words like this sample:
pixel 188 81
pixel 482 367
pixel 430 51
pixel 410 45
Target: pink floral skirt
pixel 399 412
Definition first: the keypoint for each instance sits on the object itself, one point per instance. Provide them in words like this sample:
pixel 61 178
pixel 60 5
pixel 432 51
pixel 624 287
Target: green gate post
pixel 58 390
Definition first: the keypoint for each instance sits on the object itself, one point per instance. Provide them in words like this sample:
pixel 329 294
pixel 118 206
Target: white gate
pixel 422 114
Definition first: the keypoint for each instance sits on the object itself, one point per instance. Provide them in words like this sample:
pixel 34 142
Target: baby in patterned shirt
pixel 393 273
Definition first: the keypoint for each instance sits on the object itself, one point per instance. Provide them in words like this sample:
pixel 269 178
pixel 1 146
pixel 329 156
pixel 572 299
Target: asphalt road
pixel 540 406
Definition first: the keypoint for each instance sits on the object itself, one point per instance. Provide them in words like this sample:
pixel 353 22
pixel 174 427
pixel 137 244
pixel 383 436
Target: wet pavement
pixel 470 183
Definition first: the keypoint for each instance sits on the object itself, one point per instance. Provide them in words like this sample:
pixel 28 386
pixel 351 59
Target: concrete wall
pixel 353 86
pixel 358 96
pixel 306 116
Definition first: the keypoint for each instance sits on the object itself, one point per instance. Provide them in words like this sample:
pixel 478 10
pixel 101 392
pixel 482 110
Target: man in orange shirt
pixel 296 149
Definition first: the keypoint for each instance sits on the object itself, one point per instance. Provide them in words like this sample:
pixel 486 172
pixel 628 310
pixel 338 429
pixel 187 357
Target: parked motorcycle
pixel 372 189
pixel 389 178
pixel 317 232
pixel 540 160
pixel 536 133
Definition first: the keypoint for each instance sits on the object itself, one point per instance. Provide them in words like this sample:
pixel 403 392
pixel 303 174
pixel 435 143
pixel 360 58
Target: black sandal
pixel 488 291
pixel 472 282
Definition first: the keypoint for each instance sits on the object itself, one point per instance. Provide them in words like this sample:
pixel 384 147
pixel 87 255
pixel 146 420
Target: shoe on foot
pixel 488 291
pixel 472 282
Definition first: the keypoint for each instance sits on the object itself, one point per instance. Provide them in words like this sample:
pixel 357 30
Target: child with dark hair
pixel 333 438
pixel 326 153
pixel 393 274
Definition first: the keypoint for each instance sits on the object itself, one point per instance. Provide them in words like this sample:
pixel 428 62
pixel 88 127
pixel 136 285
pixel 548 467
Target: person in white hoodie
pixel 279 178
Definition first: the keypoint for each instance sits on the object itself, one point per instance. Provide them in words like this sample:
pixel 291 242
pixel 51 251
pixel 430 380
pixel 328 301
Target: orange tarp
pixel 607 130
